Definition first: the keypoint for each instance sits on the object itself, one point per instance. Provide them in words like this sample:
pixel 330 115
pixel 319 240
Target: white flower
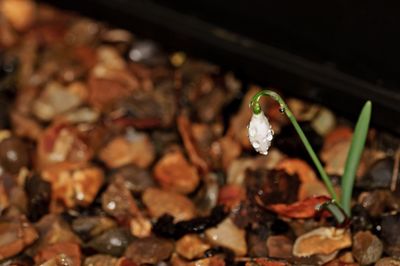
pixel 260 133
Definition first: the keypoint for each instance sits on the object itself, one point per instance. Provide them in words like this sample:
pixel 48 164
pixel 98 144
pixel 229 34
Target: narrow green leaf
pixel 354 156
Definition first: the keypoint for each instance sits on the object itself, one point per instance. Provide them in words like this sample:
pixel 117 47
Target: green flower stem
pixel 255 105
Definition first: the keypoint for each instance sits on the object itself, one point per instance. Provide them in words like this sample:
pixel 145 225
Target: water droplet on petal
pixel 256 145
pixel 269 137
pixel 252 132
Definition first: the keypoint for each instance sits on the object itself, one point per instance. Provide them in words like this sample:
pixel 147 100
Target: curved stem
pixel 256 108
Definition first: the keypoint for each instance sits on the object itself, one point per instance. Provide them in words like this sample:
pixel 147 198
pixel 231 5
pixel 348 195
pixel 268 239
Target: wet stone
pixel 71 250
pixel 118 201
pixel 149 250
pixel 367 248
pixel 60 260
pixel 112 242
pixel 13 155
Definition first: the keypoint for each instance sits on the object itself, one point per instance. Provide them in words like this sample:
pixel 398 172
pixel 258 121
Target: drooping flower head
pixel 260 133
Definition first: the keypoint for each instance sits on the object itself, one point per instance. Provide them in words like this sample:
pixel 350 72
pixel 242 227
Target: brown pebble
pixel 367 248
pixel 117 201
pixel 136 149
pixel 279 246
pixel 160 202
pixel 388 262
pixel 175 173
pixel 227 234
pixel 71 250
pixel 191 246
pixel 149 250
pixel 16 233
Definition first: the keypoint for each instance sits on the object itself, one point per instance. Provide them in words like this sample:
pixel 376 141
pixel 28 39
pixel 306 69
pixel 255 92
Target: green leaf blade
pixel 354 156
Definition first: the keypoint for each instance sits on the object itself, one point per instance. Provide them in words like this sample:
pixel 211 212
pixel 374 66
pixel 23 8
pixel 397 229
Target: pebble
pixel 150 250
pixel 174 173
pixel 13 155
pixel 228 235
pixel 16 233
pixel 71 250
pixel 279 246
pixel 367 248
pixel 118 202
pixel 322 241
pixel 160 202
pixel 191 246
pixel 135 148
pixel 20 13
pixel 388 262
pixel 112 242
pixel 135 179
pixel 91 226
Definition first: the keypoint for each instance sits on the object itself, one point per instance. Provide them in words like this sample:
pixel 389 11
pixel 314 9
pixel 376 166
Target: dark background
pixel 339 53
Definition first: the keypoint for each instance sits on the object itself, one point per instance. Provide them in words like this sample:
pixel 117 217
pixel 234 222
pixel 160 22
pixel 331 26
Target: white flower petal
pixel 260 133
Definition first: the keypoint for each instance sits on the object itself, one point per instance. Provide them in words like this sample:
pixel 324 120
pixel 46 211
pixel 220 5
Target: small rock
pixel 367 248
pixel 279 246
pixel 225 151
pixel 160 202
pixel 118 201
pixel 135 179
pixel 52 230
pixel 228 235
pixel 388 262
pixel 231 195
pixel 324 122
pixel 61 144
pixel 20 13
pixel 100 260
pixel 191 246
pixel 213 261
pixel 16 233
pixel 275 186
pixel 88 227
pixel 323 241
pixel 174 173
pixel 13 155
pixel 60 260
pixel 379 175
pixel 81 115
pixel 379 201
pixel 112 242
pixel 140 227
pixel 73 187
pixel 150 250
pixel 71 250
pixel 134 148
pixel 57 99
